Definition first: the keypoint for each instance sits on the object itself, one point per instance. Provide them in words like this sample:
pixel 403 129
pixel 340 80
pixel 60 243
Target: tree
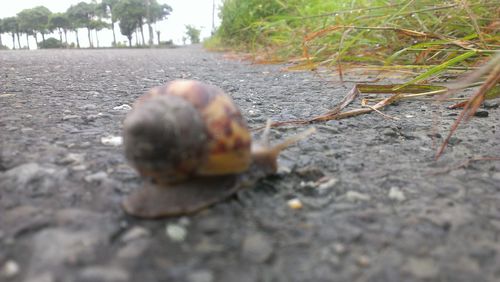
pixel 26 24
pixel 60 22
pixel 98 25
pixel 11 25
pixel 127 28
pixel 154 13
pixel 131 11
pixel 193 33
pixel 74 22
pixel 80 16
pixel 75 29
pixel 32 21
pixel 40 20
pixel 106 8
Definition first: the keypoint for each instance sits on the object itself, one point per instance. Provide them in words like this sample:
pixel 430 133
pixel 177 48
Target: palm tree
pixel 26 24
pixel 60 22
pixel 127 28
pixel 80 15
pixel 40 19
pixel 133 11
pixel 98 25
pixel 106 7
pixel 11 26
pixel 155 13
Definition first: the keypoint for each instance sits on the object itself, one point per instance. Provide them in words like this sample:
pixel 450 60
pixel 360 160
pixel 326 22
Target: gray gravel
pixel 372 208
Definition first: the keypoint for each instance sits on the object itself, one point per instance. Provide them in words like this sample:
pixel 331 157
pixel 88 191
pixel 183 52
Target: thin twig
pixel 381 113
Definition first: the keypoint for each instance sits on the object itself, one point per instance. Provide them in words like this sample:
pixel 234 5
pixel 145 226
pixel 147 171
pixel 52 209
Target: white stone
pixel 135 233
pixel 422 268
pixel 328 184
pixel 356 196
pixel 123 107
pixel 176 232
pixel 112 140
pixel 396 194
pixel 96 177
pixel 10 269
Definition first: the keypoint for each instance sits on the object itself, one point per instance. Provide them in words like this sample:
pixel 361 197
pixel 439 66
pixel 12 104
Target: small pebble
pixel 96 177
pixel 283 169
pixel 396 194
pixel 92 117
pixel 184 221
pixel 43 277
pixel 363 261
pixel 329 129
pixel 123 107
pixel 308 184
pixel 135 233
pixel 79 167
pixel 10 269
pixel 339 248
pixel 133 249
pixel 70 117
pixel 176 232
pixel 200 276
pixel 496 176
pixel 71 158
pixel 422 268
pixel 310 172
pixel 210 224
pixel 327 184
pixel 26 129
pixel 390 132
pixel 354 196
pixel 253 113
pixel 295 204
pixel 88 107
pixel 112 140
pixel 104 273
pixel 257 248
pixel 454 141
pixel 481 114
pixel 491 104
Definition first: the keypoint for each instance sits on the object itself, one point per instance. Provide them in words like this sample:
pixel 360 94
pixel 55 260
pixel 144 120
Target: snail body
pixel 193 147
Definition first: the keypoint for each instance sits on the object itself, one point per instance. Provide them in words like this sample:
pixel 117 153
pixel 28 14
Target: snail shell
pixel 191 143
pixel 186 128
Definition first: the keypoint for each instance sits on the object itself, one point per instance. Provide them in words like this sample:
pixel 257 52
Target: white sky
pixel 185 12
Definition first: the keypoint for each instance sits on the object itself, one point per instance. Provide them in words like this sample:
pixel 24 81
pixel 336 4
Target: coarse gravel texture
pixel 373 207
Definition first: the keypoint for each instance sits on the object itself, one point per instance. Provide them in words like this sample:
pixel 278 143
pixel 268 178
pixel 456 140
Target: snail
pixel 193 147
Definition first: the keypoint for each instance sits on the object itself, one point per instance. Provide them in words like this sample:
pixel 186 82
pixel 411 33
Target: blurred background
pixel 169 20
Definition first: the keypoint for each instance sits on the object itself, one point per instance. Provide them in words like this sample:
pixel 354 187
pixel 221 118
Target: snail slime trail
pixel 192 146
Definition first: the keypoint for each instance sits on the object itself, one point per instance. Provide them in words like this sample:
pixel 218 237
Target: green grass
pixel 420 40
pixel 335 35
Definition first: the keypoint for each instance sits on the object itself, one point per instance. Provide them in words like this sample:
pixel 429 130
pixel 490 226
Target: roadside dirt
pixel 380 212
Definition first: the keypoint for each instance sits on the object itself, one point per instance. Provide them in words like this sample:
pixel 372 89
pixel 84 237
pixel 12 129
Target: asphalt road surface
pixel 376 206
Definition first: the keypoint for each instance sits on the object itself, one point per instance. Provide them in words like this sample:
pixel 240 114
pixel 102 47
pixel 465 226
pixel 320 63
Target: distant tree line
pixel 131 16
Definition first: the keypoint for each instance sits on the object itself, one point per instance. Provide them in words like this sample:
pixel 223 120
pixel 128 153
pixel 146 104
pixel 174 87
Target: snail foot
pixel 154 201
